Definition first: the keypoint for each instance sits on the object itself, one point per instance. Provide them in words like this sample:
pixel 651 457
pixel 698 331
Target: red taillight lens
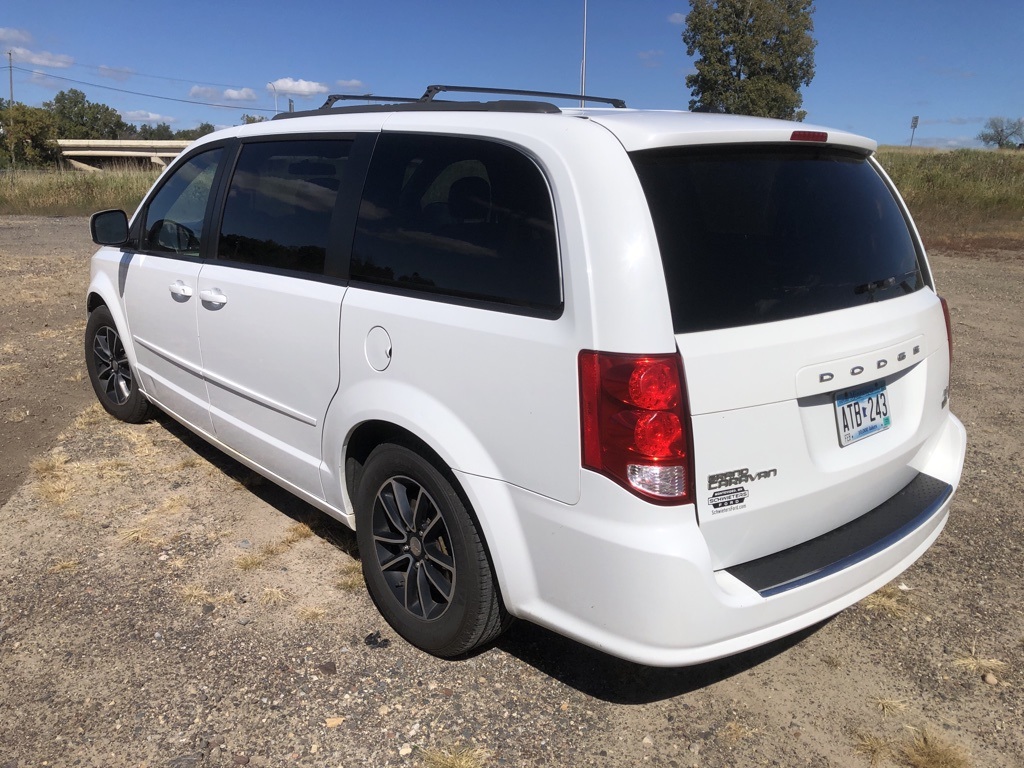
pixel 634 422
pixel 949 332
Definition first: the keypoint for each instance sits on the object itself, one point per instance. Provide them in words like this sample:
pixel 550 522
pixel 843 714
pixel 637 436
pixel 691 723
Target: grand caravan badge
pixel 739 477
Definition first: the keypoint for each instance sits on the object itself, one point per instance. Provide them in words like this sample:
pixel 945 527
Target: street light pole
pixel 275 96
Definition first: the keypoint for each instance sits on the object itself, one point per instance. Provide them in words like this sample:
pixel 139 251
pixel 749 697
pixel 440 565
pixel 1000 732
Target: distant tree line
pixel 27 133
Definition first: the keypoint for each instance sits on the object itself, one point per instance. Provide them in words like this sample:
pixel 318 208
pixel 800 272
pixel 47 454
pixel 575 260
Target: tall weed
pixel 72 193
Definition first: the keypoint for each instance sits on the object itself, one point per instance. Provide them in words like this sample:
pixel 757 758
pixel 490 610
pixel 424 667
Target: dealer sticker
pixel 728 499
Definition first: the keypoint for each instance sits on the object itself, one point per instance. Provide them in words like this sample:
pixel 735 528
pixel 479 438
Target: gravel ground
pixel 160 605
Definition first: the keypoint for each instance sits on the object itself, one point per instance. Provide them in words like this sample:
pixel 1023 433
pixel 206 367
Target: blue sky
pixel 879 62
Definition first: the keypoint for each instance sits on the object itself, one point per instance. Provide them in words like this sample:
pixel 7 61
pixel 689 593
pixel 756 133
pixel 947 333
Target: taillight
pixel 949 332
pixel 635 423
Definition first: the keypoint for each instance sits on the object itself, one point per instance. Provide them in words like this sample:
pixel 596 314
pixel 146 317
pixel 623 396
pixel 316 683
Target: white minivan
pixel 671 384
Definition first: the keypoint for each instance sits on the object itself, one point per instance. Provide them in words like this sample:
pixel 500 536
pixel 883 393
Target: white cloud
pixel 677 18
pixel 240 94
pixel 116 73
pixel 142 116
pixel 651 58
pixel 11 36
pixel 349 85
pixel 948 142
pixel 298 87
pixel 41 58
pixel 203 92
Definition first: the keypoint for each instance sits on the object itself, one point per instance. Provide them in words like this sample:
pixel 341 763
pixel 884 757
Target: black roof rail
pixel 336 97
pixel 429 103
pixel 433 90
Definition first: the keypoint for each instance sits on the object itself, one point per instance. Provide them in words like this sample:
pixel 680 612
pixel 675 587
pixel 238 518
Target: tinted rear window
pixel 757 234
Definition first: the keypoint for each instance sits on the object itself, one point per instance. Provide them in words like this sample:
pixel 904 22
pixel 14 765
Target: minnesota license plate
pixel 862 412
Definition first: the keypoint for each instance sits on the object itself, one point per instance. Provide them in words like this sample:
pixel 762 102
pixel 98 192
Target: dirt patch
pixel 162 606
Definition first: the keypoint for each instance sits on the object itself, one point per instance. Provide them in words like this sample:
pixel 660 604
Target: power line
pixel 132 73
pixel 139 93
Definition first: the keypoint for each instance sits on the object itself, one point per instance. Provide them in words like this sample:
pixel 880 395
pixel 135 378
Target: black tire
pixel 425 564
pixel 112 377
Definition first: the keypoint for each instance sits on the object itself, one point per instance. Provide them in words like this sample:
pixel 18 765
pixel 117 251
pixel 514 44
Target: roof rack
pixel 433 90
pixel 428 102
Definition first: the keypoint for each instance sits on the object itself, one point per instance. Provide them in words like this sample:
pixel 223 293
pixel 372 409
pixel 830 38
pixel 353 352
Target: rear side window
pixel 757 234
pixel 458 217
pixel 280 202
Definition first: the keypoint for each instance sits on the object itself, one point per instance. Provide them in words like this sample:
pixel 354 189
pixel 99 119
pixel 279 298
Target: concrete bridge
pixel 96 154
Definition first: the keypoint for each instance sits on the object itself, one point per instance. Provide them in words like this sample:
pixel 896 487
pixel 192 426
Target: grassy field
pixel 72 193
pixel 965 197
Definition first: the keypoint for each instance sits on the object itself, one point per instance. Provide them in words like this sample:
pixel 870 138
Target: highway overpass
pixel 96 154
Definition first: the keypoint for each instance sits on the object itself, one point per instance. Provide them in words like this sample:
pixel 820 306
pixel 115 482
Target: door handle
pixel 178 288
pixel 213 296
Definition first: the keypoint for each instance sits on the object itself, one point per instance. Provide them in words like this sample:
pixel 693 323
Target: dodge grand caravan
pixel 671 384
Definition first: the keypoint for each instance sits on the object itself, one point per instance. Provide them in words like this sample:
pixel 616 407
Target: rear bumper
pixel 637 582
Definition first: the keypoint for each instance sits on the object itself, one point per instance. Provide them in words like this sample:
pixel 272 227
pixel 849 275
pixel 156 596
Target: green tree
pixel 250 119
pixel 27 134
pixel 752 56
pixel 1002 132
pixel 158 132
pixel 78 118
pixel 194 133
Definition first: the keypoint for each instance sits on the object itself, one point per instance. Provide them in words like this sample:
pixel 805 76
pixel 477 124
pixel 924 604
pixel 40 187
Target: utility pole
pixel 583 65
pixel 10 73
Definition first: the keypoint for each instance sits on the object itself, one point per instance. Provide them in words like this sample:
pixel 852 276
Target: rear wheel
pixel 112 377
pixel 424 561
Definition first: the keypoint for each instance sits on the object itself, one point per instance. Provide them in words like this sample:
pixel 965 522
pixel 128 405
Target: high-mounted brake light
pixel 635 423
pixel 808 136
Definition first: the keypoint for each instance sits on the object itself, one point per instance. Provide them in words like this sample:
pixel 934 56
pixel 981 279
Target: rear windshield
pixel 758 234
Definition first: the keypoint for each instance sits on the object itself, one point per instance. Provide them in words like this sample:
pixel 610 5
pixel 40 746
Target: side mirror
pixel 109 228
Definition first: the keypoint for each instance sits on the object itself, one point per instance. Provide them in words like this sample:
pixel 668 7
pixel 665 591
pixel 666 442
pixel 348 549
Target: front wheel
pixel 424 562
pixel 111 374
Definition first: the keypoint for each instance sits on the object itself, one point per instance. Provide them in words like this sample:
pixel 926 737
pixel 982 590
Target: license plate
pixel 862 412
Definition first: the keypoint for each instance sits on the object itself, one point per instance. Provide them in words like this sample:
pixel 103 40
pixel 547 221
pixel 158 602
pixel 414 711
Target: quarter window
pixel 459 217
pixel 174 217
pixel 280 203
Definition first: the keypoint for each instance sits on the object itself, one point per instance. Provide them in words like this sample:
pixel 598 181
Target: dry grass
pixel 979 666
pixel 196 594
pixel 877 749
pixel 73 193
pixel 961 195
pixel 312 613
pixel 62 566
pixel 250 561
pixel 454 757
pixel 927 750
pixel 735 731
pixel 889 601
pixel 273 596
pixel 351 577
pixel 297 532
pixel 142 533
pixel 54 478
pixel 90 418
pixel 891 706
